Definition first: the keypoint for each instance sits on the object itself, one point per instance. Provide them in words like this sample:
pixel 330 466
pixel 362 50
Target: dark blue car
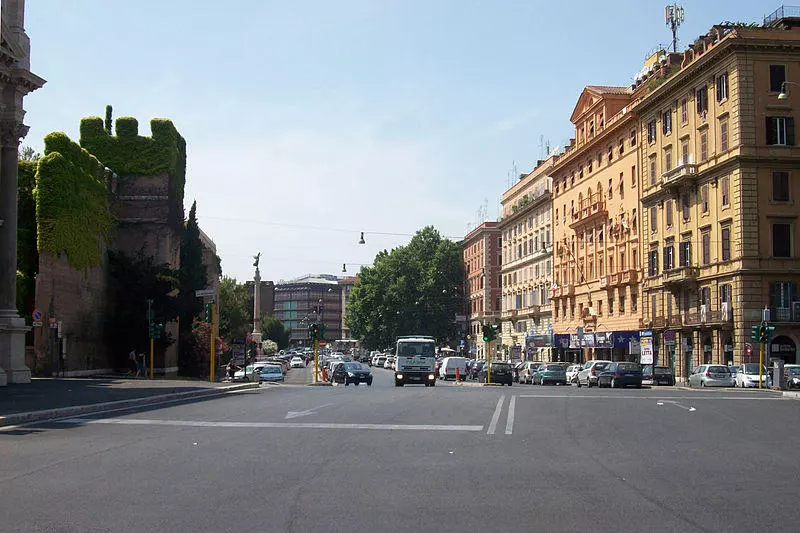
pixel 620 375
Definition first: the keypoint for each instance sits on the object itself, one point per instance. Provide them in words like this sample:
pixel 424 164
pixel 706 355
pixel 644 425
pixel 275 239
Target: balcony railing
pixel 679 175
pixel 629 277
pixel 509 313
pixel 613 280
pixel 659 322
pixel 675 321
pixel 680 275
pixel 589 211
pixel 603 282
pixel 785 314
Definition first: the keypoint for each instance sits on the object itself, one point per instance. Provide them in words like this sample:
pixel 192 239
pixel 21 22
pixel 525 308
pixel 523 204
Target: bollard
pixel 324 374
pixel 457 379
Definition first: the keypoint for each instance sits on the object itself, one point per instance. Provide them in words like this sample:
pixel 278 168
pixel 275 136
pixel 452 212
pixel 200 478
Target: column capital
pixel 11 132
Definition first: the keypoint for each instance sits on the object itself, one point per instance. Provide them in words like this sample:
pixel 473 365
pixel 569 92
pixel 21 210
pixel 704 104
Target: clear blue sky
pixel 310 121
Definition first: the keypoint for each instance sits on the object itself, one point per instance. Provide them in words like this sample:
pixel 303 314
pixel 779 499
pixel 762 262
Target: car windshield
pixel 752 368
pixel 601 366
pixel 628 367
pixel 794 371
pixel 722 369
pixel 410 349
pixel 553 368
pixel 352 366
pixel 501 366
pixel 271 370
pixel 662 370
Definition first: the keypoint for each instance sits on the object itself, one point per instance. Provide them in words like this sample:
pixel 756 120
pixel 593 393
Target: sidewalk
pixel 46 398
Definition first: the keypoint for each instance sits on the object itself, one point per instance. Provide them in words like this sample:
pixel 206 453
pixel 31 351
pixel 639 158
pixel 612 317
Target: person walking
pixel 132 359
pixel 140 366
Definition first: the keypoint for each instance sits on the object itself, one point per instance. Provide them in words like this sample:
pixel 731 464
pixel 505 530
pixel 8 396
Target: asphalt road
pixel 384 459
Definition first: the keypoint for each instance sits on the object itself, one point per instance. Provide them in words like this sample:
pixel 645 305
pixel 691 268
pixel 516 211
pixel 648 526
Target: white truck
pixel 415 360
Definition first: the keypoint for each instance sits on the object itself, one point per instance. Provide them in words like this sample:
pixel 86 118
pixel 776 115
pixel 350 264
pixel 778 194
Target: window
pixel 780 186
pixel 684 152
pixel 684 111
pixel 780 131
pixel 726 242
pixel 621 186
pixel 722 87
pixel 669 257
pixel 610 189
pixel 633 176
pixel 666 122
pixel 652 171
pixel 668 205
pixel 704 145
pixel 685 252
pixel 705 241
pixel 667 159
pixel 723 134
pixel 621 146
pixel 634 302
pixel 782 293
pixel 701 97
pixel 610 153
pixel 685 199
pixel 724 294
pixel 651 131
pixel 777 75
pixel 652 263
pixel 610 304
pixel 572 179
pixel 589 166
pixel 634 218
pixel 781 239
pixel 622 304
pixel 725 188
pixel 633 137
pixel 704 199
pixel 653 219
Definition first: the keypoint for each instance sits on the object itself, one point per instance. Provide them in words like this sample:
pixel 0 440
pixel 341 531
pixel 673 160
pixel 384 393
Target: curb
pixel 791 394
pixel 48 414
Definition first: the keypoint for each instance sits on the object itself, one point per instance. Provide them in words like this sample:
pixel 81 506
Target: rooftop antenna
pixel 673 17
pixel 541 147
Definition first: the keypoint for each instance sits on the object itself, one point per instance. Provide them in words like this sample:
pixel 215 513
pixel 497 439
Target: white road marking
pixel 496 415
pixel 263 425
pixel 510 419
pixel 295 414
pixel 676 404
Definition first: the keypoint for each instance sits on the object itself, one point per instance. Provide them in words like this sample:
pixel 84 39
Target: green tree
pixel 27 253
pixel 133 281
pixel 272 329
pixel 193 276
pixel 414 289
pixel 235 318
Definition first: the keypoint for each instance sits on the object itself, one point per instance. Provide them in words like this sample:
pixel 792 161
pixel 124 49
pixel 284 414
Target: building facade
pixel 527 265
pixel 719 198
pixel 307 300
pixel 595 223
pixel 481 252
pixel 345 288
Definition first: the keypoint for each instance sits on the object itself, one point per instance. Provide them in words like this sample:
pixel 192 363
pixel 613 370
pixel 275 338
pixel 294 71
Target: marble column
pixel 12 326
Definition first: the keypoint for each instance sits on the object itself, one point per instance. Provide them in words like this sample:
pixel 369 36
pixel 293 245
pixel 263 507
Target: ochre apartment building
pixel 527 265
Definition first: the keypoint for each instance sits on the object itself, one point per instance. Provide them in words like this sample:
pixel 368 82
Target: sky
pixel 309 122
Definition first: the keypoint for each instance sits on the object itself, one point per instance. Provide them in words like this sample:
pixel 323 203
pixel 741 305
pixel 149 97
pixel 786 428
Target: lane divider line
pixel 496 415
pixel 510 420
pixel 261 425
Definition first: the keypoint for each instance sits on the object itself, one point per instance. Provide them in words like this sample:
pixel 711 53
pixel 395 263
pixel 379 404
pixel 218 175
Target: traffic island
pixel 320 384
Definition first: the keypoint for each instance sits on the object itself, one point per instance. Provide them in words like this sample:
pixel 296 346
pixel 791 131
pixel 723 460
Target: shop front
pixel 539 348
pixel 782 347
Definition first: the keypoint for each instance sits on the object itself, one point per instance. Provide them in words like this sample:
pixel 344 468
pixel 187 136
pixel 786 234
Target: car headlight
pixel 351 374
pixel 399 376
pixel 431 377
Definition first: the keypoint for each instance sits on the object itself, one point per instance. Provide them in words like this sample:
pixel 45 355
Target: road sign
pixel 322 344
pixel 36 315
pixel 204 293
pixel 36 323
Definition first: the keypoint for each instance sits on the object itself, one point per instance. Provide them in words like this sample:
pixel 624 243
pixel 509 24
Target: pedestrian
pixel 140 366
pixel 132 359
pixel 231 369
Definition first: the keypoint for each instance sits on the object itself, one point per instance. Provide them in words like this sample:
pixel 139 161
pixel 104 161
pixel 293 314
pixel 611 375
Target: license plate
pixel 718 376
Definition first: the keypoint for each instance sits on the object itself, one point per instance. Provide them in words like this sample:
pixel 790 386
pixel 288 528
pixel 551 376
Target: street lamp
pixel 361 240
pixel 783 95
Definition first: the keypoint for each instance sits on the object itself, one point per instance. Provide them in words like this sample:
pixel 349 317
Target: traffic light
pixel 755 333
pixel 766 332
pixel 208 313
pixel 486 333
pixel 493 332
pixel 314 329
pixel 158 331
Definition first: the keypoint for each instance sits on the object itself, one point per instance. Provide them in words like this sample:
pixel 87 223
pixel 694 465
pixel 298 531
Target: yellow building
pixel 527 266
pixel 597 251
pixel 720 189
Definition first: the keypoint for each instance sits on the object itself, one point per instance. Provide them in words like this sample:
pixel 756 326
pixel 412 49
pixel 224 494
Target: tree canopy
pixel 235 317
pixel 414 289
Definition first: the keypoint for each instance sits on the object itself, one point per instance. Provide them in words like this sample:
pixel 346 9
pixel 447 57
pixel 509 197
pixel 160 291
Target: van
pixel 447 369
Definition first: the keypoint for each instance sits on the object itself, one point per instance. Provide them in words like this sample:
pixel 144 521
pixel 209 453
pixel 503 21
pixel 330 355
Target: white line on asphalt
pixel 611 397
pixel 496 415
pixel 259 425
pixel 510 419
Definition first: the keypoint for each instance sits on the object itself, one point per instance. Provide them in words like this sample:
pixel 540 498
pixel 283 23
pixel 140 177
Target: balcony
pixel 785 314
pixel 680 276
pixel 674 321
pixel 629 277
pixel 613 280
pixel 592 210
pixel 659 322
pixel 683 174
pixel 509 313
pixel 603 282
pixel 588 316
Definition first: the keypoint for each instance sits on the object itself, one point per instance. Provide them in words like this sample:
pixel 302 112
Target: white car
pixel 389 362
pixel 297 362
pixel 572 373
pixel 747 376
pixel 249 373
pixel 271 373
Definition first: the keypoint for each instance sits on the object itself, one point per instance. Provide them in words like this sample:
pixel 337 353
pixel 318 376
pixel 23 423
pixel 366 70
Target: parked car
pixel 588 375
pixel 549 373
pixel 351 373
pixel 747 376
pixel 663 375
pixel 572 373
pixel 379 361
pixel 271 373
pixel 297 362
pixel 389 362
pixel 527 370
pixel 711 376
pixel 620 375
pixel 502 373
pixel 791 376
pixel 249 373
pixel 476 367
pixel 449 365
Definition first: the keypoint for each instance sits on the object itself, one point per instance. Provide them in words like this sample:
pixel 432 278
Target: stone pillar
pixel 12 326
pixel 256 335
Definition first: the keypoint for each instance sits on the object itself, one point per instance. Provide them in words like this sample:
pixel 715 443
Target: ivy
pixel 71 203
pixel 129 154
pixel 27 255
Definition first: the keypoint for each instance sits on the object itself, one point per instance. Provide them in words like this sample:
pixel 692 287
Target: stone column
pixel 256 335
pixel 12 326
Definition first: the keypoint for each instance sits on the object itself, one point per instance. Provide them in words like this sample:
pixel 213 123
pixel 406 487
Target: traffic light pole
pixel 211 370
pixel 489 363
pixel 316 360
pixel 760 362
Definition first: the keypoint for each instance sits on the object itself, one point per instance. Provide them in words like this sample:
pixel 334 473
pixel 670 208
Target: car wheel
pixel 346 382
pixel 579 384
pixel 614 384
pixel 369 383
pixel 509 383
pixel 702 383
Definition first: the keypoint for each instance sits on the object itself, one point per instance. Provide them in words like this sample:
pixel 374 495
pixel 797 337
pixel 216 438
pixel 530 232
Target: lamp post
pixel 783 95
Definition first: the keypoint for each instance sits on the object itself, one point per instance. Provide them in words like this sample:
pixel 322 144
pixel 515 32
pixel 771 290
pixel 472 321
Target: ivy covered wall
pixel 27 254
pixel 72 206
pixel 129 154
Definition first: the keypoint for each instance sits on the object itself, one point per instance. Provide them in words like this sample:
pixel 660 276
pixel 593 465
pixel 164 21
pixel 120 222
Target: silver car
pixel 572 373
pixel 711 376
pixel 588 376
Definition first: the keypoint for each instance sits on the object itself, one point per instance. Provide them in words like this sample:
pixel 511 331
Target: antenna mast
pixel 673 17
